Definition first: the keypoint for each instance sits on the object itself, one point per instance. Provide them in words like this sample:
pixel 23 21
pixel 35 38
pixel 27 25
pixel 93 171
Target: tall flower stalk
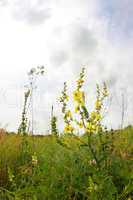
pixel 24 121
pixel 67 114
pixel 33 74
pixel 89 121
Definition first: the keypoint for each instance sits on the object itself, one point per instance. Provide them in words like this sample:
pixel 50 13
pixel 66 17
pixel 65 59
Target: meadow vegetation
pixel 83 162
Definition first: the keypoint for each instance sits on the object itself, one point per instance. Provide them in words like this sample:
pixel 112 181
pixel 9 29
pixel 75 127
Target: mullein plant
pixel 89 123
pixel 28 98
pixel 28 101
pixel 67 114
pixel 53 123
pixel 33 74
pixel 24 121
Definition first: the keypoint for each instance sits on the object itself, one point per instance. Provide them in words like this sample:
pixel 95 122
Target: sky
pixel 64 35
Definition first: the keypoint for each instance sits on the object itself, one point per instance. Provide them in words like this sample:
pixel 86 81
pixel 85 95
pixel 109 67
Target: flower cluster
pixel 78 94
pixel 68 119
pixel 94 124
pixel 79 101
pixel 90 122
pixel 23 125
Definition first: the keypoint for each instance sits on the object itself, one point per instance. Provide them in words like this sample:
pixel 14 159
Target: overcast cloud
pixel 64 35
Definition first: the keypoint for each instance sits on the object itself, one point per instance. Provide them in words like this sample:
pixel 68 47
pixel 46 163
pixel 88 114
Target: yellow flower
pixel 90 128
pixel 105 90
pixel 105 94
pixel 77 108
pixel 80 81
pixel 98 117
pixel 67 98
pixel 99 128
pixel 95 116
pixel 68 128
pixel 98 104
pixel 80 124
pixel 68 114
pixel 79 96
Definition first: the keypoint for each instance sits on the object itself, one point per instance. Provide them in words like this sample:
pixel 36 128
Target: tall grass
pixel 65 169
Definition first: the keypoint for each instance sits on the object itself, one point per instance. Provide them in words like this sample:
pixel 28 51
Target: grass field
pixel 64 168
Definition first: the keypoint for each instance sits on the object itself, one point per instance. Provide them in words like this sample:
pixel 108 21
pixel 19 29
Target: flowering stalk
pixel 33 74
pixel 68 128
pixel 23 126
pixel 79 101
pixel 90 122
pixel 54 130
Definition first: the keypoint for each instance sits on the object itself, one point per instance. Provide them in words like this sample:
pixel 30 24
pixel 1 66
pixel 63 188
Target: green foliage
pixel 101 187
pixel 64 168
pixel 54 130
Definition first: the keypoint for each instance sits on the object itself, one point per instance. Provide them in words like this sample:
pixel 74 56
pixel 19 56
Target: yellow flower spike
pixel 68 114
pixel 68 128
pixel 99 128
pixel 79 97
pixel 67 98
pixel 95 116
pixel 90 128
pixel 98 104
pixel 105 90
pixel 98 117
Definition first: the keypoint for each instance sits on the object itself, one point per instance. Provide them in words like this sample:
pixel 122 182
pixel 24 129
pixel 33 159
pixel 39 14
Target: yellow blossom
pixel 90 128
pixel 95 116
pixel 105 90
pixel 67 98
pixel 80 81
pixel 105 93
pixel 68 114
pixel 79 96
pixel 98 104
pixel 98 117
pixel 68 128
pixel 77 108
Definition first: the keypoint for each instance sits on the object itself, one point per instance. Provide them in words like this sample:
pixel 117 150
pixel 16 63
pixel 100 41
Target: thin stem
pixel 89 142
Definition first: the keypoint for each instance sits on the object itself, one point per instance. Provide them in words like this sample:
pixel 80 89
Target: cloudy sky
pixel 64 35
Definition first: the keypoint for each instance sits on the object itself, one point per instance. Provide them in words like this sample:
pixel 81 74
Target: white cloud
pixel 32 12
pixel 119 14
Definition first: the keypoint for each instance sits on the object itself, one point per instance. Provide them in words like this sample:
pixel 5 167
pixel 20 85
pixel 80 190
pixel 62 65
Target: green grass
pixel 66 168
